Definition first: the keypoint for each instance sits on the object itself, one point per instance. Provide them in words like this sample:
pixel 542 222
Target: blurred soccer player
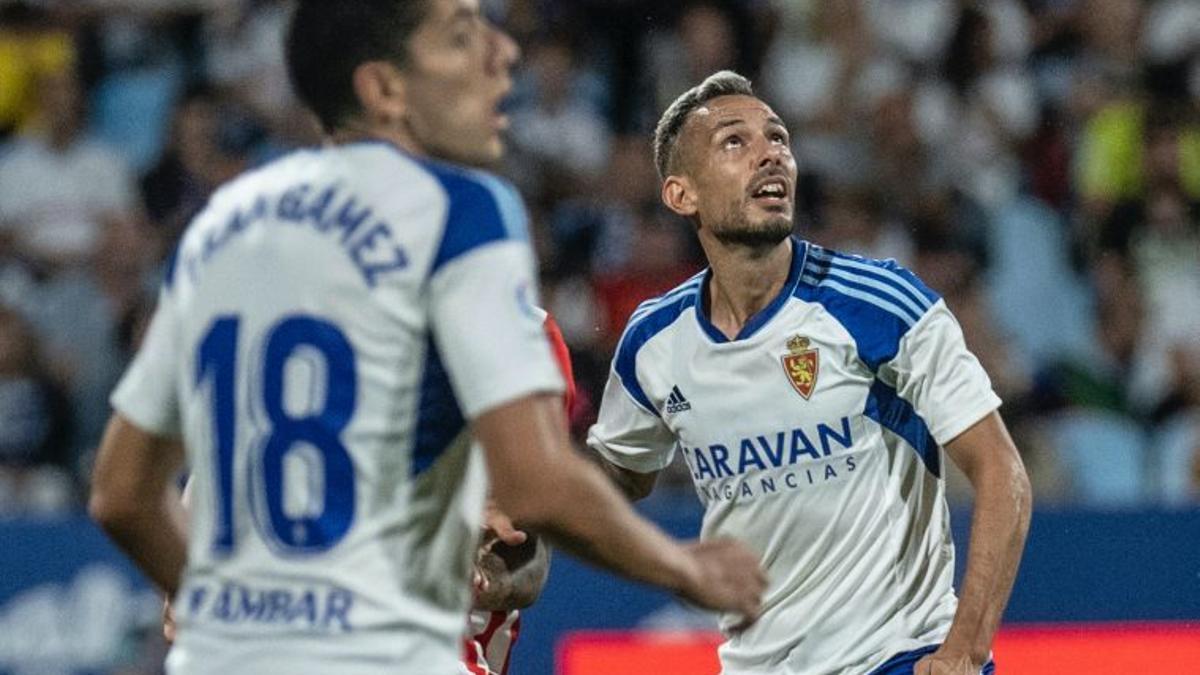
pixel 511 566
pixel 811 393
pixel 332 329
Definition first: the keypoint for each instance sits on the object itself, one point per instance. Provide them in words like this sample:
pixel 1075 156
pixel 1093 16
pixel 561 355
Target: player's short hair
pixel 328 39
pixel 723 83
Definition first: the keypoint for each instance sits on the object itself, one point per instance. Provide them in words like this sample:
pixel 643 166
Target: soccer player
pixel 812 394
pixel 334 330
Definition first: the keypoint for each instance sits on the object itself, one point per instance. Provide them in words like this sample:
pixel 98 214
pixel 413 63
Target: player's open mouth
pixel 500 120
pixel 771 191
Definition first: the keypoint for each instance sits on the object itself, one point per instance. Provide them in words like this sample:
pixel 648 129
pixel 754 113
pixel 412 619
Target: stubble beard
pixel 737 230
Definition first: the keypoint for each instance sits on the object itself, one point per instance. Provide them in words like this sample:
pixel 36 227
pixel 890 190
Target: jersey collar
pixel 756 322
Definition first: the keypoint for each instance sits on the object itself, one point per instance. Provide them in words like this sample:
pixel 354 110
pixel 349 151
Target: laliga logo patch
pixel 801 365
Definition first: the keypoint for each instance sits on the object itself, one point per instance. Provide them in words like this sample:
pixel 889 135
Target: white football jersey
pixel 814 438
pixel 329 324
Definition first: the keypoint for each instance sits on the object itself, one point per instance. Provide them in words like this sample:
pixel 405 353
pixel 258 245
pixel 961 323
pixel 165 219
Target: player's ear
pixel 678 195
pixel 379 86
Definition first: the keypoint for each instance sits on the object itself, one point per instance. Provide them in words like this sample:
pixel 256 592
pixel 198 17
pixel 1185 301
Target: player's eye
pixel 466 31
pixel 733 141
pixel 779 137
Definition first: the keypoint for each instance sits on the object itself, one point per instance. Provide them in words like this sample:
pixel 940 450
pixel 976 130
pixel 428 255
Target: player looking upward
pixel 811 394
pixel 333 331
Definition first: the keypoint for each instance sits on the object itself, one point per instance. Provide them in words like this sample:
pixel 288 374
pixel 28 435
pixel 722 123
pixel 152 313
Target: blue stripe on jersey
pixel 650 305
pixel 874 318
pixel 902 304
pixel 638 333
pixel 482 209
pixel 886 407
pixel 512 208
pixel 865 295
pixel 439 419
pixel 902 282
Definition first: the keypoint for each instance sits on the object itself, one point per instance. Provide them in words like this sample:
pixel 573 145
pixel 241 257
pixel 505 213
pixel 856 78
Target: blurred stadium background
pixel 1036 161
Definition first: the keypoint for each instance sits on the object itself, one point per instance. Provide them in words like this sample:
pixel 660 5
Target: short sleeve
pixel 628 435
pixel 939 377
pixel 148 393
pixel 483 312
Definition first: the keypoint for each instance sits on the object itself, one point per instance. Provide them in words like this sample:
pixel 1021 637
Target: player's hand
pixel 497 526
pixel 728 577
pixel 944 662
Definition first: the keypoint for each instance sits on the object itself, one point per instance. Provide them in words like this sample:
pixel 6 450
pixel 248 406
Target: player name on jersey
pixel 329 210
pixel 320 609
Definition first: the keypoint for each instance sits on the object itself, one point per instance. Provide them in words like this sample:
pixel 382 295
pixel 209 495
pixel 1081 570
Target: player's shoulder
pixel 872 284
pixel 482 208
pixel 655 315
pixel 876 301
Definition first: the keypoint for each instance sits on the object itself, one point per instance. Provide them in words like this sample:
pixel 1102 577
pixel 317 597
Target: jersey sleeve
pixel 148 393
pixel 627 434
pixel 939 377
pixel 483 312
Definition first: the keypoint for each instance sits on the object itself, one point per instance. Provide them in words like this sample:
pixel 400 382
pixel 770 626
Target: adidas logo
pixel 676 403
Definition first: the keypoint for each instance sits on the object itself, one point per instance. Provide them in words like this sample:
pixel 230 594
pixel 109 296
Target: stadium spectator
pixel 36 471
pixel 211 142
pixel 31 47
pixel 78 315
pixel 556 128
pixel 57 183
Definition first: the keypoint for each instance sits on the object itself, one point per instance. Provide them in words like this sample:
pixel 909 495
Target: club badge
pixel 800 365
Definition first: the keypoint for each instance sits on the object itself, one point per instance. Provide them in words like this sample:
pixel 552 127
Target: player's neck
pixel 744 282
pixel 356 132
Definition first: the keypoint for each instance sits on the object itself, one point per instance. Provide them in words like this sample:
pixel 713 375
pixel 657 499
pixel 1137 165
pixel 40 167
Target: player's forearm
pixel 543 485
pixel 150 536
pixel 134 500
pixel 580 511
pixel 149 531
pixel 633 485
pixel 1000 522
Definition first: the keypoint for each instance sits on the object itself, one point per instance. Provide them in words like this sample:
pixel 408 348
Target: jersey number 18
pixel 217 363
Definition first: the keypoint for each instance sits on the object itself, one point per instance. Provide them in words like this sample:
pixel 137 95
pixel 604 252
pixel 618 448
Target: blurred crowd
pixel 1037 162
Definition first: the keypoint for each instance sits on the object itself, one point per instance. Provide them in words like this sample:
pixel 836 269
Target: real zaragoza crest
pixel 801 365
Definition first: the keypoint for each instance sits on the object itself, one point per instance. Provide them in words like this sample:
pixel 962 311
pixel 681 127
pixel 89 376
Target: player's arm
pixel 628 440
pixel 482 292
pixel 1003 501
pixel 134 499
pixel 634 485
pixel 570 501
pixel 949 389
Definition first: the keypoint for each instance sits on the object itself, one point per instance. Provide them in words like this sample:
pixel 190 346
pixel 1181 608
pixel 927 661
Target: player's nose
pixel 505 50
pixel 773 153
